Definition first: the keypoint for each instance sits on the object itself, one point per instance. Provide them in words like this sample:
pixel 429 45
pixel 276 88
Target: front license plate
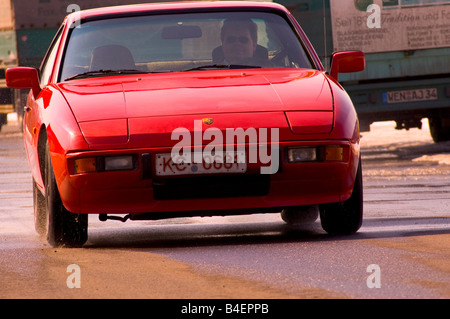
pixel 165 166
pixel 406 96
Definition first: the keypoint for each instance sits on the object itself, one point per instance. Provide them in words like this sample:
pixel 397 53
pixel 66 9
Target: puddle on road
pixel 441 159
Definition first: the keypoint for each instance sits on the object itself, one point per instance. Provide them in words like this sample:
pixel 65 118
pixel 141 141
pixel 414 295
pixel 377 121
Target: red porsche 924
pixel 156 111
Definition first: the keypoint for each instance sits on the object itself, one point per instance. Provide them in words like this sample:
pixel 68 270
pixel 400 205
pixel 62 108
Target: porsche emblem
pixel 208 121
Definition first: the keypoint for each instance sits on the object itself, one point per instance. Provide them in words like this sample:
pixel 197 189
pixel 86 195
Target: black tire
pixel 63 227
pixel 3 120
pixel 345 218
pixel 40 212
pixel 438 132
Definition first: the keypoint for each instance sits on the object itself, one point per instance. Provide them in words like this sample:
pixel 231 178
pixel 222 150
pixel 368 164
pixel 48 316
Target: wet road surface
pixel 401 251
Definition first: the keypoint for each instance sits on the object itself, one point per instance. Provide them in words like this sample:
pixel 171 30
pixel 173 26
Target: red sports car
pixel 158 111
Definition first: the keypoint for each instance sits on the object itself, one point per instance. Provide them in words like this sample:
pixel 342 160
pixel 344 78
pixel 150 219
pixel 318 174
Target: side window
pixel 49 60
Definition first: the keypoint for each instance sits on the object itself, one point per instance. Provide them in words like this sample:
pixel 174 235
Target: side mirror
pixel 23 78
pixel 347 62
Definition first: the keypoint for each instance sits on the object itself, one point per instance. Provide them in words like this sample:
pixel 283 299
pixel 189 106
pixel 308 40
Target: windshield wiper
pixel 104 72
pixel 208 66
pixel 222 66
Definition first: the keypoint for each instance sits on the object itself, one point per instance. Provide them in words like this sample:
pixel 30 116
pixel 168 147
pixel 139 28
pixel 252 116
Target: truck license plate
pixel 165 166
pixel 406 96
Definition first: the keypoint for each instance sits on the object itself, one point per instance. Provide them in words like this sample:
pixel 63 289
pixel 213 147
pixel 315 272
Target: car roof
pixel 149 7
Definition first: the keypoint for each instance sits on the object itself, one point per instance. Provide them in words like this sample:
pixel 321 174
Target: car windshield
pixel 182 42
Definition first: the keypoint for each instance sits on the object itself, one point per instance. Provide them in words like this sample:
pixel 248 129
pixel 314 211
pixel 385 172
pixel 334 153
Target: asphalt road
pixel 401 251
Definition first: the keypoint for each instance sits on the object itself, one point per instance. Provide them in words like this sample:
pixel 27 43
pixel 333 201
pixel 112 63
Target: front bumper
pixel 138 191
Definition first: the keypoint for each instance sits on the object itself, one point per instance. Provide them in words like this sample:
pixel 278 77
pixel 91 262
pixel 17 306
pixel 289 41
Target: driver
pixel 239 40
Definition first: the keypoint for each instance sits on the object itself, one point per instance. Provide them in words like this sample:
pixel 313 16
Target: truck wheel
pixel 439 133
pixel 345 217
pixel 63 227
pixel 3 120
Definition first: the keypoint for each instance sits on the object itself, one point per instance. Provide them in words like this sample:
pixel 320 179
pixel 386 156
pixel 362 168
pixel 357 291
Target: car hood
pixel 190 93
pixel 128 109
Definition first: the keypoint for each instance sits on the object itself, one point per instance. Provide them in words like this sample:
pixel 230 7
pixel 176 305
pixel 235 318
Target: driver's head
pixel 239 39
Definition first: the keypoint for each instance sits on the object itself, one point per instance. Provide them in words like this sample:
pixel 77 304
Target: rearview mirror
pixel 181 32
pixel 347 62
pixel 23 78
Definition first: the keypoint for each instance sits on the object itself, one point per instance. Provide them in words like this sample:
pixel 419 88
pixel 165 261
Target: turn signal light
pixel 326 153
pixel 334 153
pixel 105 164
pixel 86 165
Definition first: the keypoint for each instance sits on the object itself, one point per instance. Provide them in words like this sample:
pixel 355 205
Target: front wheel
pixel 40 213
pixel 63 227
pixel 345 217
